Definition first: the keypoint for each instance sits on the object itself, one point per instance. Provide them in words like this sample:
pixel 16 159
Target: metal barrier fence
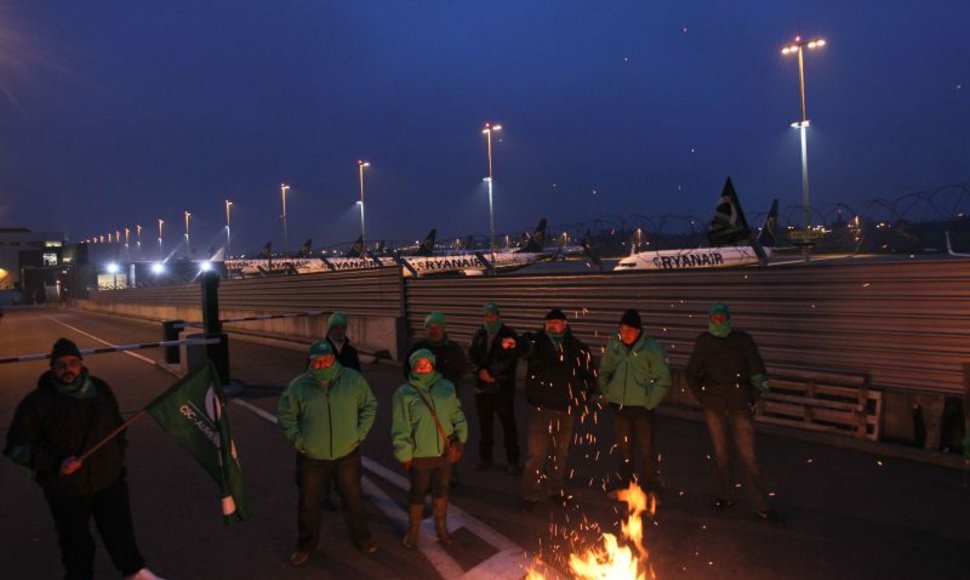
pixel 902 322
pixel 116 348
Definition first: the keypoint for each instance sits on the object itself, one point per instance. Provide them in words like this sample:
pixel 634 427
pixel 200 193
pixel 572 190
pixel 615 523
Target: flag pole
pixel 112 435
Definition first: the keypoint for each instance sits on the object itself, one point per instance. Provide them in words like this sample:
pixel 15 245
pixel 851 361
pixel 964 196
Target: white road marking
pixel 507 563
pixel 104 342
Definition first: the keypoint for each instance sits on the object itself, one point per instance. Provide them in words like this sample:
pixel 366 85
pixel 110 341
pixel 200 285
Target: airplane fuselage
pixel 724 257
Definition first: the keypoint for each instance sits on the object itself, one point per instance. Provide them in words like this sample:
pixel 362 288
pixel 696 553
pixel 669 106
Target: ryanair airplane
pixel 731 242
pixel 418 262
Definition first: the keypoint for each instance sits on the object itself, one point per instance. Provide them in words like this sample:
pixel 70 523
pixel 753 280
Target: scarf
pixel 82 387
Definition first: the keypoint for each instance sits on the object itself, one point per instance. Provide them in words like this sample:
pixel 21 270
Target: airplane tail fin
pixel 357 250
pixel 728 226
pixel 305 249
pixel 767 237
pixel 537 239
pixel 427 246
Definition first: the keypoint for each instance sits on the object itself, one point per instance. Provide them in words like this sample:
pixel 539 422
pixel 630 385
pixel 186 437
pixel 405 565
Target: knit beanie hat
pixel 491 307
pixel 420 354
pixel 434 318
pixel 337 319
pixel 321 348
pixel 555 314
pixel 64 347
pixel 631 318
pixel 719 308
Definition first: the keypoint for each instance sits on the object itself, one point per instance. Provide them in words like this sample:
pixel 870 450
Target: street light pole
pixel 488 130
pixel 283 188
pixel 228 234
pixel 361 164
pixel 798 48
pixel 188 248
pixel 161 251
pixel 138 240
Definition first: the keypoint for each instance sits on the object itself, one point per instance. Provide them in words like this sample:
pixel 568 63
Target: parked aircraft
pixel 727 227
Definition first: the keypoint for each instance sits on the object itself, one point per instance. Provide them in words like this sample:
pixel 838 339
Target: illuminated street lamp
pixel 228 235
pixel 138 239
pixel 161 253
pixel 283 188
pixel 798 48
pixel 188 248
pixel 361 164
pixel 488 130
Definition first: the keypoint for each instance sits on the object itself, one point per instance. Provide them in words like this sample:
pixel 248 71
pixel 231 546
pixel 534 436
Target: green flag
pixel 192 412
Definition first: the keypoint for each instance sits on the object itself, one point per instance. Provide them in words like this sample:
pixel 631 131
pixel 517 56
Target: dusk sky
pixel 115 113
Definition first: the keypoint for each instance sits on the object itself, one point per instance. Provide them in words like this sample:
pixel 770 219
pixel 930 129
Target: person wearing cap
pixel 559 377
pixel 326 413
pixel 493 355
pixel 337 335
pixel 634 377
pixel 726 375
pixel 349 359
pixel 422 410
pixel 68 413
pixel 450 360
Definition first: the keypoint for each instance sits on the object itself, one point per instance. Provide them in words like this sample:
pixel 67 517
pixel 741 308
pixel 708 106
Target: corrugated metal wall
pixel 377 292
pixel 906 323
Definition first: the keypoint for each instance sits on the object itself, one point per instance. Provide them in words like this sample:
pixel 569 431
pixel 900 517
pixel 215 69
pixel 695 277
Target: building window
pixel 50 259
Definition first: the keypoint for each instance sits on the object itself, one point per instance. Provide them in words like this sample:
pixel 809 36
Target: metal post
pixel 212 327
pixel 170 331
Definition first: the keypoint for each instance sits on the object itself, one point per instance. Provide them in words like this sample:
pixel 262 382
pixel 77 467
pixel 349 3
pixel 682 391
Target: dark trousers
pixel 550 433
pixel 311 479
pixel 429 474
pixel 502 404
pixel 112 518
pixel 634 426
pixel 739 426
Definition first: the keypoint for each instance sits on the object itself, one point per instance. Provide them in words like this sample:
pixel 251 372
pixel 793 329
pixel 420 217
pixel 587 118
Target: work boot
pixel 439 506
pixel 415 515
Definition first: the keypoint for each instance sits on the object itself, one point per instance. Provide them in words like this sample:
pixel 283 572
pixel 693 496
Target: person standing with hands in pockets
pixel 326 414
pixel 633 375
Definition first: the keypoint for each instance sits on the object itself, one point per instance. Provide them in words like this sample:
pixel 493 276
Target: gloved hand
pixel 407 464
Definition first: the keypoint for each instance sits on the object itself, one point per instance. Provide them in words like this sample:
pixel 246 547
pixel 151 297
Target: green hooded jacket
pixel 635 376
pixel 413 430
pixel 327 422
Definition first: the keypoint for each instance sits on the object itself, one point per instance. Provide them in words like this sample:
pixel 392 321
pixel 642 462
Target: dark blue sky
pixel 116 113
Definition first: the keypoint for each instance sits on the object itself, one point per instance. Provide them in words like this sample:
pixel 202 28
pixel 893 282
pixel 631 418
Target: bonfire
pixel 613 560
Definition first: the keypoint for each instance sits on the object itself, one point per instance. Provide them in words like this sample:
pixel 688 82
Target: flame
pixel 611 560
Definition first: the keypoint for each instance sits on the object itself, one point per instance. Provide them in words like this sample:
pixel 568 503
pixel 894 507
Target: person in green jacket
pixel 634 377
pixel 418 444
pixel 325 414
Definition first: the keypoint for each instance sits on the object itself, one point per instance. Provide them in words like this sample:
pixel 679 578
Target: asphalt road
pixel 848 514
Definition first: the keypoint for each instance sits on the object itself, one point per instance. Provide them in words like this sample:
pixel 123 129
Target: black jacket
pixel 500 362
pixel 720 369
pixel 346 356
pixel 557 379
pixel 49 427
pixel 450 359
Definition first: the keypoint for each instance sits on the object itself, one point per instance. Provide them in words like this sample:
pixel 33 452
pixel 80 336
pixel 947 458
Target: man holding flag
pixel 326 414
pixel 54 435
